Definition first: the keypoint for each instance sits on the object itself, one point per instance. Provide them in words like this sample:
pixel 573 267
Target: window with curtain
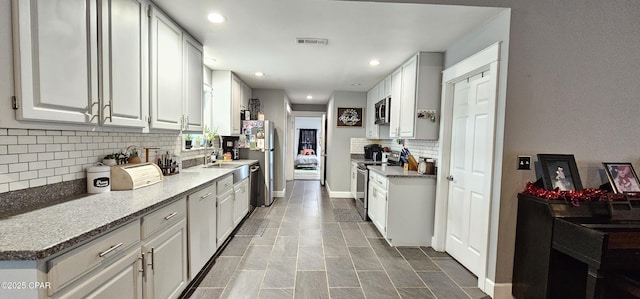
pixel 307 140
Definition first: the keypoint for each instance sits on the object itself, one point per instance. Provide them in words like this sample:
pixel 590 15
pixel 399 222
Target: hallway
pixel 305 253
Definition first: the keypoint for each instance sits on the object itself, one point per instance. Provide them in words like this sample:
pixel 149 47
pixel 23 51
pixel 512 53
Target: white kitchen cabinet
pixel 225 216
pixel 372 130
pixel 56 71
pixel 230 94
pixel 241 201
pixel 125 63
pixel 119 279
pixel 396 96
pixel 402 208
pixel 202 224
pixel 354 180
pixel 166 262
pixel 166 72
pixel 59 57
pixel 387 87
pixel 420 91
pixel 193 79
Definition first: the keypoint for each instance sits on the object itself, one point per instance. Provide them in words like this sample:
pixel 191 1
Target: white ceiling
pixel 259 35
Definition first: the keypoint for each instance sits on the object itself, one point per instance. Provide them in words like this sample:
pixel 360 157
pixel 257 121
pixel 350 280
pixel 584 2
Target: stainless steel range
pixel 362 203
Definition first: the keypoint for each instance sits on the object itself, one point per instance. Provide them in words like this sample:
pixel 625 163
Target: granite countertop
pixel 398 171
pixel 41 233
pixel 358 158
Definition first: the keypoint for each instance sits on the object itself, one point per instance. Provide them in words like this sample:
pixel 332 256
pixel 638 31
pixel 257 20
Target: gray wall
pixel 308 107
pixel 571 88
pixel 274 102
pixel 339 139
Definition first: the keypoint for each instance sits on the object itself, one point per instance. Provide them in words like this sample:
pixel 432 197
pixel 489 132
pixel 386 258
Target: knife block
pixel 413 164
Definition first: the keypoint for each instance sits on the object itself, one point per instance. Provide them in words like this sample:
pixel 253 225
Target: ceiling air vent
pixel 312 41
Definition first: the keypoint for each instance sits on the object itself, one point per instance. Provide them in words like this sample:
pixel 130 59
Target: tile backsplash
pixel 33 158
pixel 418 148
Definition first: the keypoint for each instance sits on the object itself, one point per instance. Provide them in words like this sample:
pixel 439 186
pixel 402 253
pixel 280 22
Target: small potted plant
pixel 197 143
pixel 134 156
pixel 109 160
pixel 210 136
pixel 187 141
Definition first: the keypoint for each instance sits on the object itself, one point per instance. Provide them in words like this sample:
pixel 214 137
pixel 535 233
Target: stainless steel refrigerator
pixel 256 143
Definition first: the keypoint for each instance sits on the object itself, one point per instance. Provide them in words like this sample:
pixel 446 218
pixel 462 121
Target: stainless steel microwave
pixel 383 109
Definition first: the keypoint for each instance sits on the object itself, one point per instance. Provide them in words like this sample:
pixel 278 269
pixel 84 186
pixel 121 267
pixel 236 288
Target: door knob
pixel 450 178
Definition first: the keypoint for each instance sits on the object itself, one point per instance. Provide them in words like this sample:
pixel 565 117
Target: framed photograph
pixel 622 177
pixel 559 172
pixel 349 117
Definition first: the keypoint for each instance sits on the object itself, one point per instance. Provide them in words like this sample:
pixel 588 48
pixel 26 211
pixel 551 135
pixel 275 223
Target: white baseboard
pixel 279 193
pixel 498 290
pixel 337 194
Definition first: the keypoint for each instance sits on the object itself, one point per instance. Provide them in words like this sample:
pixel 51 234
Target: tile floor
pixel 305 253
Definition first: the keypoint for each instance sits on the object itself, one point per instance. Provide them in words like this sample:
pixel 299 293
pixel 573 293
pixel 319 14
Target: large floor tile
pixel 364 258
pixel 310 258
pixel 340 272
pixel 418 260
pixel 256 258
pixel 236 246
pixel 382 248
pixel 311 284
pixel 354 237
pixel 458 273
pixel 207 293
pixel 415 293
pixel 369 230
pixel 285 247
pixel 434 254
pixel 346 293
pixel 267 238
pixel 219 274
pixel 442 286
pixel 244 284
pixel 275 293
pixel 281 273
pixel 401 274
pixel 335 246
pixel 376 284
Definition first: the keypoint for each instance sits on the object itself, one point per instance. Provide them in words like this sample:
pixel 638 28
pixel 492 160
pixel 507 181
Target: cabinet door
pixel 408 100
pixel 236 102
pixel 396 98
pixel 166 263
pixel 120 279
pixel 380 209
pixel 56 71
pixel 193 84
pixel 372 130
pixel 202 228
pixel 225 216
pixel 166 73
pixel 124 40
pixel 387 87
pixel 241 201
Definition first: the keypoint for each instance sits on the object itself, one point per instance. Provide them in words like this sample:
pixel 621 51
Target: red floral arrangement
pixel 573 197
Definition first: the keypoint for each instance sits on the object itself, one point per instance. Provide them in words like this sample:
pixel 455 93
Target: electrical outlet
pixel 524 162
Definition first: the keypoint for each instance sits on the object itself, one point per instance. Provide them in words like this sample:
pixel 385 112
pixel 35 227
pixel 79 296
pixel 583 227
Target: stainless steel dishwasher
pixel 257 186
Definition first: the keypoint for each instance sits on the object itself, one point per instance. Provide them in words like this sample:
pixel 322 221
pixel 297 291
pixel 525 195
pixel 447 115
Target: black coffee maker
pixel 373 152
pixel 231 144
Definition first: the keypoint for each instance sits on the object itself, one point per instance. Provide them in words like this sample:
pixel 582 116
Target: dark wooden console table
pixel 569 252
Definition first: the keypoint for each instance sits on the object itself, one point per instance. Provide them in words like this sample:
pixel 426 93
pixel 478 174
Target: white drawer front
pixel 225 184
pixel 163 217
pixel 66 268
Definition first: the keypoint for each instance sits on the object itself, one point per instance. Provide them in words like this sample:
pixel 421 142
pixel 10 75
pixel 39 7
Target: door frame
pixel 292 152
pixel 486 60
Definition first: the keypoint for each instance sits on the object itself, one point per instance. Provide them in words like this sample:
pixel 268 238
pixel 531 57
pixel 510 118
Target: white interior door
pixel 470 171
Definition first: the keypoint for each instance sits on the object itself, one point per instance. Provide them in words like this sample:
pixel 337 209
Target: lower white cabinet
pixel 165 251
pixel 225 215
pixel 402 208
pixel 240 201
pixel 202 224
pixel 120 279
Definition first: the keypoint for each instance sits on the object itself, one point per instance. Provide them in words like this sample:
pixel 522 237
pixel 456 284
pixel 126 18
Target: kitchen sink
pixel 222 165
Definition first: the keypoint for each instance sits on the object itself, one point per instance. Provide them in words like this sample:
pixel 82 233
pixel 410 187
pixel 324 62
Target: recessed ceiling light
pixel 374 62
pixel 309 97
pixel 259 74
pixel 216 18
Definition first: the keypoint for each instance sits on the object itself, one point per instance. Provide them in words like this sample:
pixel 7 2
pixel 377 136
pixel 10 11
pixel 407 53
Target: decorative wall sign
pixel 349 117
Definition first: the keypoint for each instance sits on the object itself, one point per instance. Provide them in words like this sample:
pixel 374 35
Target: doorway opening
pixel 307 147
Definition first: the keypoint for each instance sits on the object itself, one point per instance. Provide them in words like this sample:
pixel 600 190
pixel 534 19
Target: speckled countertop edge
pixel 45 232
pixel 398 171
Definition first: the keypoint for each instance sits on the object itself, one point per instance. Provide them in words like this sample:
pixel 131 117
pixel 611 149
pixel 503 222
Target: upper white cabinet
pixel 57 63
pixel 230 94
pixel 396 95
pixel 193 78
pixel 125 63
pixel 416 90
pixel 166 72
pixel 372 130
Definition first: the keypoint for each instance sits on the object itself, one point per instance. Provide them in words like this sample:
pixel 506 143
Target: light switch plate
pixel 524 162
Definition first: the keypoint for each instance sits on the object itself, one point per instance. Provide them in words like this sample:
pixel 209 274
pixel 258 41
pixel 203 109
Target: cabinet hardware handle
pixel 152 259
pixel 141 258
pixel 114 247
pixel 450 178
pixel 170 215
pixel 186 122
pixel 205 196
